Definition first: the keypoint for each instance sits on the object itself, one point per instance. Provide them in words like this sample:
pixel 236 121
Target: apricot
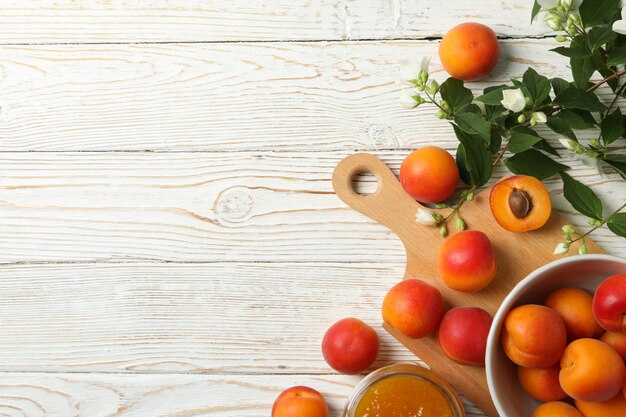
pixel 609 303
pixel 533 336
pixel 300 401
pixel 591 371
pixel 520 203
pixel 556 409
pixel 429 174
pixel 462 334
pixel 615 407
pixel 466 261
pixel 617 340
pixel 413 307
pixel 542 383
pixel 574 307
pixel 469 51
pixel 350 346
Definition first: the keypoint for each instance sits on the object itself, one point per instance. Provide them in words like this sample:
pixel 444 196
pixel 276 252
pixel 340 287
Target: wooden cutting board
pixel 517 254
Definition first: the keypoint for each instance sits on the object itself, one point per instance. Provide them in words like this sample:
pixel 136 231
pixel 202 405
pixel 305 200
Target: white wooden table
pixel 169 238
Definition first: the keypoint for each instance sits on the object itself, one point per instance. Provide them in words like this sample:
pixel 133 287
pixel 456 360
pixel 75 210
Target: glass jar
pixel 434 387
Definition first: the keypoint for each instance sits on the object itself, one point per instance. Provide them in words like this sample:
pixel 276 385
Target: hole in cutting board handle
pixel 365 183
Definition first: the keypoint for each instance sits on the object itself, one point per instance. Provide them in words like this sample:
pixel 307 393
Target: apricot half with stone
pixel 520 203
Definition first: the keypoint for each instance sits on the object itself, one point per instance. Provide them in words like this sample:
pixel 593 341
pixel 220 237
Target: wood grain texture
pixel 242 206
pixel 219 97
pixel 89 21
pixel 236 318
pixel 124 395
pixel 392 206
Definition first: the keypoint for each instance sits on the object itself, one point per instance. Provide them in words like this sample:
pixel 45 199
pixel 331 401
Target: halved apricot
pixel 520 203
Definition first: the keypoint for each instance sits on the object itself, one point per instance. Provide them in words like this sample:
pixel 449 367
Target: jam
pixel 403 396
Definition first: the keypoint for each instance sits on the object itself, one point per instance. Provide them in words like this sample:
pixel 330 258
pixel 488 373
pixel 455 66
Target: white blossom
pixel 424 216
pixel 410 98
pixel 568 143
pixel 513 100
pixel 410 69
pixel 620 25
pixel 561 248
pixel 548 4
pixel 540 117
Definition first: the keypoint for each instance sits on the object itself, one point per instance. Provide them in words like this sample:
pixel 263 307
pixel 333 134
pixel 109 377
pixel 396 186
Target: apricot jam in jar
pixel 403 390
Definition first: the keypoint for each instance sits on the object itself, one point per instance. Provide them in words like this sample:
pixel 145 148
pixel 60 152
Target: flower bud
pixel 565 4
pixel 441 114
pixel 560 38
pixel 410 99
pixel 460 224
pixel 568 143
pixel 560 9
pixel 582 250
pixel 595 143
pixel 444 105
pixel 540 117
pixel 469 196
pixel 568 229
pixel 571 30
pixel 521 118
pixel 441 205
pixel 575 18
pixel 594 222
pixel 411 69
pixel 533 122
pixel 561 248
pixel 432 87
pixel 425 217
pixel 443 231
pixel 423 76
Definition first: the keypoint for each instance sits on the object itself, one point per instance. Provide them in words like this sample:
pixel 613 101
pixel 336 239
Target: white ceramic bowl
pixel 582 271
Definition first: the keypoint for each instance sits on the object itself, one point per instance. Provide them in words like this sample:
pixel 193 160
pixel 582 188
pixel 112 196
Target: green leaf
pixel 617 56
pixel 495 143
pixel 582 70
pixel 577 119
pixel 477 159
pixel 546 147
pixel 460 163
pixel 474 124
pixel 493 96
pixel 535 11
pixel 618 162
pixel 597 12
pixel 454 92
pixel 581 197
pixel 560 126
pixel 575 98
pixel 537 85
pixel 617 224
pixel 559 84
pixel 532 162
pixel 522 139
pixel 572 52
pixel 600 36
pixel 612 127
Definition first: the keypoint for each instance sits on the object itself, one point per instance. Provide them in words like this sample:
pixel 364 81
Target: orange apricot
pixel 429 174
pixel 591 371
pixel 466 261
pixel 542 383
pixel 300 401
pixel 520 203
pixel 469 51
pixel 574 307
pixel 617 340
pixel 556 409
pixel 533 336
pixel 413 307
pixel 615 407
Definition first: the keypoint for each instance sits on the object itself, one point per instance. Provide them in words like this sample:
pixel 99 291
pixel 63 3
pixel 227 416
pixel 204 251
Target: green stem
pixel 603 222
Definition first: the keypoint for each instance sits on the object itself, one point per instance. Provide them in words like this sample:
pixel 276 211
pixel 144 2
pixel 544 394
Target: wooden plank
pixel 242 206
pixel 89 21
pixel 192 318
pixel 218 97
pixel 115 395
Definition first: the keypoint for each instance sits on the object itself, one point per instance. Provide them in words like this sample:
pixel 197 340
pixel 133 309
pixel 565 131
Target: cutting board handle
pixel 389 204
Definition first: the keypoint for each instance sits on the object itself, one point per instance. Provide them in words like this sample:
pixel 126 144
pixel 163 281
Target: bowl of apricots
pixel 557 345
